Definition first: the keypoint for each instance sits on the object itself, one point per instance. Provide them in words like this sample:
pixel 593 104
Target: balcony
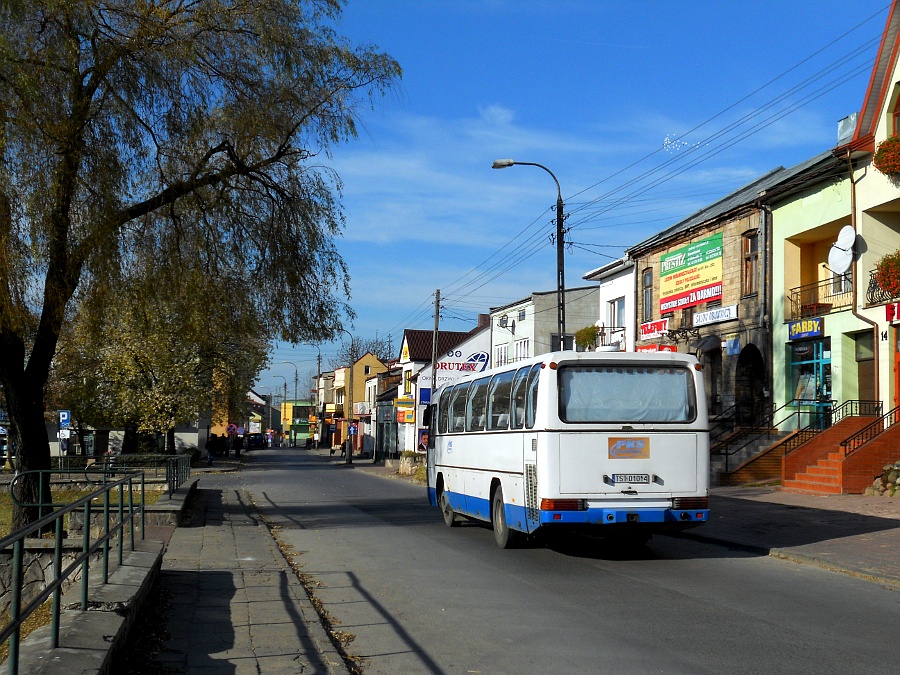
pixel 875 295
pixel 608 336
pixel 823 297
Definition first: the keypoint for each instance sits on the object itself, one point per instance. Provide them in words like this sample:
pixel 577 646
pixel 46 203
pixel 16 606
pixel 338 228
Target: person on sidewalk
pixel 211 443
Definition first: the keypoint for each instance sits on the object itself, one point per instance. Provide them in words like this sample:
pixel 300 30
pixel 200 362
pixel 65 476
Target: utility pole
pixel 434 341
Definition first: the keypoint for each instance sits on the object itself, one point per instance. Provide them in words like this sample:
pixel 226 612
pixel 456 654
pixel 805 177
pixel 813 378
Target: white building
pixel 616 302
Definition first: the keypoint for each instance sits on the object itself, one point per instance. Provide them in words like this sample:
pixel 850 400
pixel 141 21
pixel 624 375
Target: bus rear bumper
pixel 620 516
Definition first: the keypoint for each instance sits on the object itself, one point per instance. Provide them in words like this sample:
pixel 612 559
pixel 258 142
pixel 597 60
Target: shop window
pixel 750 251
pixel 647 294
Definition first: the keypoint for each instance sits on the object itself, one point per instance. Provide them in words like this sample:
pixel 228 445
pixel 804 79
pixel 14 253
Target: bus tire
pixel 450 517
pixel 503 535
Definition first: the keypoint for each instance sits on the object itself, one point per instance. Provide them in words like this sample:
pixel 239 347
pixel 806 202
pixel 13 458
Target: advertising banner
pixel 691 275
pixel 654 329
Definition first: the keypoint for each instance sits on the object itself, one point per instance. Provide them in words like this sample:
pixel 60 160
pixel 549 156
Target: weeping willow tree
pixel 133 127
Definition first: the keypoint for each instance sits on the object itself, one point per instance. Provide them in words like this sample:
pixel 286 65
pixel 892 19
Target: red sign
pixel 654 329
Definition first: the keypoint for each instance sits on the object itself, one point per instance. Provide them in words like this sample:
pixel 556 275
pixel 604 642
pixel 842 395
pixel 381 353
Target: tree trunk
pixel 29 433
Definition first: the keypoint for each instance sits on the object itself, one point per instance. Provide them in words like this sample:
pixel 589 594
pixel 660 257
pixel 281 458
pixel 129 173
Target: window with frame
pixel 521 315
pixel 501 355
pixel 498 401
pixel 458 407
pixel 647 294
pixel 750 255
pixel 521 349
pixel 841 283
pixel 615 313
pixel 517 410
pixel 476 406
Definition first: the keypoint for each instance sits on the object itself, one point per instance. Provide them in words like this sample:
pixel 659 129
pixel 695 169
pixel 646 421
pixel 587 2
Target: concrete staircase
pixel 738 456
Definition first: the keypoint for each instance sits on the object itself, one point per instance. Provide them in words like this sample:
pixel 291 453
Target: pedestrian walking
pixel 211 443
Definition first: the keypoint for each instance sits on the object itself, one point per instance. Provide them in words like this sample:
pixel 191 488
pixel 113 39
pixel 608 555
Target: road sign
pixel 65 419
pixel 353 430
pixel 231 429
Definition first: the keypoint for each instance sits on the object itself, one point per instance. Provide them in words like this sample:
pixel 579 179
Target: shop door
pixel 811 379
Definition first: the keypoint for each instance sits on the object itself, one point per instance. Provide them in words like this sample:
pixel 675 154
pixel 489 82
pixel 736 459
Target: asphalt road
pixel 419 597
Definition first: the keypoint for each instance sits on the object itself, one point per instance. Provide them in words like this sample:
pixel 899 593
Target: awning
pixel 707 344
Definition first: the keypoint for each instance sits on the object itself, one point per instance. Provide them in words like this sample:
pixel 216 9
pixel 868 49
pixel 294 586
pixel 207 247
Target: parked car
pixel 256 441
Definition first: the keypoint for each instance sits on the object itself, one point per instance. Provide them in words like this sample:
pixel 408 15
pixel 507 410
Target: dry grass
pixel 67 497
pixel 40 617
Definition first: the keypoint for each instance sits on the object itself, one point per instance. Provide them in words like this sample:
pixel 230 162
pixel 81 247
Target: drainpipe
pixel 876 347
pixel 765 220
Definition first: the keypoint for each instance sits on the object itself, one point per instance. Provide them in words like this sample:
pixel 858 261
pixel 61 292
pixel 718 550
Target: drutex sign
pixel 691 275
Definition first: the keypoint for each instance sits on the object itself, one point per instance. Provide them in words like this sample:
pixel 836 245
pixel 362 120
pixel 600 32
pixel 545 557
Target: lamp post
pixel 296 375
pixel 283 403
pixel 560 250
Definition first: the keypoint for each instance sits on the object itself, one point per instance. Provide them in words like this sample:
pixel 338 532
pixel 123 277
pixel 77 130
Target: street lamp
pixel 296 375
pixel 560 243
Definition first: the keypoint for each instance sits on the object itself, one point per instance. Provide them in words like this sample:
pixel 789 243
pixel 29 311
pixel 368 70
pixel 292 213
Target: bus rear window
pixel 625 394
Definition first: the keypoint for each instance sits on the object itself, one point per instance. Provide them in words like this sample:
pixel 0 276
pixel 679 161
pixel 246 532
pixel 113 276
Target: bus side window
pixel 517 414
pixel 458 407
pixel 531 398
pixel 498 401
pixel 477 405
pixel 444 412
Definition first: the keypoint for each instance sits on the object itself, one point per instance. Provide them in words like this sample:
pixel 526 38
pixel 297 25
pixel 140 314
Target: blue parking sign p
pixel 65 418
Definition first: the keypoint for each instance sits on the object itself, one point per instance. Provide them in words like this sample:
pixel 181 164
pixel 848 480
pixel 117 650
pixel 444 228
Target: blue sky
pixel 645 112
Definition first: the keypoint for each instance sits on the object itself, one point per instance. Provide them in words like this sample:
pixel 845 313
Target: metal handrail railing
pixel 18 614
pixel 869 432
pixel 765 427
pixel 724 423
pixel 821 297
pixel 177 468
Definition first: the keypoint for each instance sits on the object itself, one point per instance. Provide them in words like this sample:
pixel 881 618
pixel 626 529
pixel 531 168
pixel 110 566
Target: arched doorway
pixel 749 386
pixel 712 365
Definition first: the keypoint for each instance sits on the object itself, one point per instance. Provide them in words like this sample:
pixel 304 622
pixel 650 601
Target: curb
pixel 792 556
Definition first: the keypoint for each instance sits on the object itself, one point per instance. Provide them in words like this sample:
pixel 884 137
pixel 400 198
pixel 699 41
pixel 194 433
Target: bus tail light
pixel 563 505
pixel 690 503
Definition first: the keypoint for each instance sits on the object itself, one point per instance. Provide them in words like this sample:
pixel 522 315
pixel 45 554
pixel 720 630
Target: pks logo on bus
pixel 629 448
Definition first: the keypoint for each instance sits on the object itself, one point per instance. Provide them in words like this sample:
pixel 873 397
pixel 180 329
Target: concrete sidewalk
pixel 854 534
pixel 235 604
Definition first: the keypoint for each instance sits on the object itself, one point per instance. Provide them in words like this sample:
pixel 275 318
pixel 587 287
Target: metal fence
pixel 127 510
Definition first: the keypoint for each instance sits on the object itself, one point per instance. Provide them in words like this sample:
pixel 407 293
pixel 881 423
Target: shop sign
pixel 892 312
pixel 656 348
pixel 654 329
pixel 406 416
pixel 717 315
pixel 691 275
pixel 404 402
pixel 806 328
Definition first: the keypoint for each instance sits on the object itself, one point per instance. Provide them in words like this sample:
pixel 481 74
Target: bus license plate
pixel 632 478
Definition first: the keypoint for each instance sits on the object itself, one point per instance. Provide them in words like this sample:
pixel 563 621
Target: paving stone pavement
pixel 235 605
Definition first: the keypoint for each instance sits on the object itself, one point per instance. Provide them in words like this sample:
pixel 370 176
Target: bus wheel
pixel 503 535
pixel 450 517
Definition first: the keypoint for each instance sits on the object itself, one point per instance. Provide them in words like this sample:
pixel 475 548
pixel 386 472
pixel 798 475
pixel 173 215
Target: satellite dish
pixel 841 254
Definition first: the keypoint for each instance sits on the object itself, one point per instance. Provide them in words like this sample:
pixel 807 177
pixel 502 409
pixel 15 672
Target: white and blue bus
pixel 611 442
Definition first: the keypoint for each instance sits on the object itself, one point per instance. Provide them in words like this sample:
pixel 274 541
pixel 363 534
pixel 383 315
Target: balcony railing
pixel 823 297
pixel 611 335
pixel 875 294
